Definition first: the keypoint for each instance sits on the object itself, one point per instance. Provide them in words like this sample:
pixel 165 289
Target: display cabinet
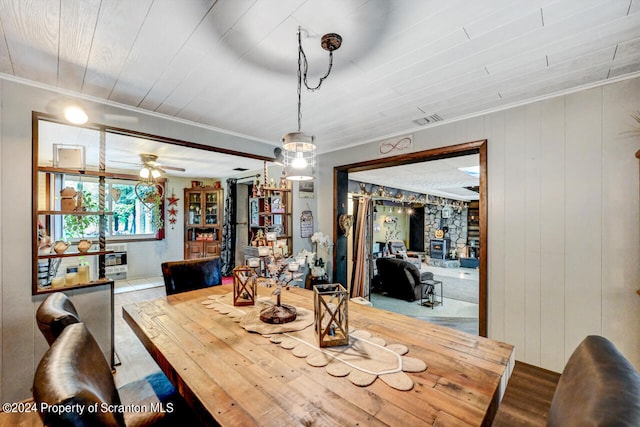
pixel 203 222
pixel 271 212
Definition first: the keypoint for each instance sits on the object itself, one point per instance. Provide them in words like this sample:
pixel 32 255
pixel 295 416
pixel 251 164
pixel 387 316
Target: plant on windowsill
pixel 76 226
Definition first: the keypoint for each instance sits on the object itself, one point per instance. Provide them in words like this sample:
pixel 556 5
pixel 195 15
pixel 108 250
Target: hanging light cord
pixel 302 76
pixel 306 66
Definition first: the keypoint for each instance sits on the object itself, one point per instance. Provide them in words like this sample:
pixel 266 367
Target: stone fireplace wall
pixel 457 223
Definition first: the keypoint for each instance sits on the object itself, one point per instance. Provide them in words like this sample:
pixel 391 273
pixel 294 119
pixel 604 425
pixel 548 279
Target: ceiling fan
pixel 150 166
pixel 147 187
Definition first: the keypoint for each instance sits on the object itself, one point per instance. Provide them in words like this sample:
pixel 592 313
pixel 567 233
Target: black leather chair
pixel 399 250
pixel 402 279
pixel 598 387
pixel 54 314
pixel 187 275
pixel 74 373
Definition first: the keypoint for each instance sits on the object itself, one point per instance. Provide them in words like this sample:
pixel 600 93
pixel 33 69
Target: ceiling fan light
pixel 144 172
pixel 155 173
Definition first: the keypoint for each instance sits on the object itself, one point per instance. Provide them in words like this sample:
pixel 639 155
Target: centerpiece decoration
pixel 244 286
pixel 330 304
pixel 282 273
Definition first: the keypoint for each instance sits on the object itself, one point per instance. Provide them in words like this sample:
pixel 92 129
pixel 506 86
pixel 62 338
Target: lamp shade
pixel 299 156
pixel 305 174
pixel 144 172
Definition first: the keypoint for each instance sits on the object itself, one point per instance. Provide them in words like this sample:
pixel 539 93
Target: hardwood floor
pixel 135 361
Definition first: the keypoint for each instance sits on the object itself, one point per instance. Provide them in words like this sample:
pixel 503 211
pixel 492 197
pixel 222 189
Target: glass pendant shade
pixel 299 156
pixel 144 172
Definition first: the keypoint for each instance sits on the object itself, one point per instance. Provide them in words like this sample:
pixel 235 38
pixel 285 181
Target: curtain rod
pixel 247 177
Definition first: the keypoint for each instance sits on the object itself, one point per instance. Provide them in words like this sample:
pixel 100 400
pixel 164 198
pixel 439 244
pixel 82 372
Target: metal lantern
pixel 330 303
pixel 244 286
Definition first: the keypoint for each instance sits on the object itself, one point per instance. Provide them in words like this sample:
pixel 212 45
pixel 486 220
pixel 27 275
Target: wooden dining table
pixel 232 377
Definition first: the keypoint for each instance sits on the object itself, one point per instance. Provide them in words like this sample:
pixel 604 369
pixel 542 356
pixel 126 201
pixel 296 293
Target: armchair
pixel 402 279
pixel 399 250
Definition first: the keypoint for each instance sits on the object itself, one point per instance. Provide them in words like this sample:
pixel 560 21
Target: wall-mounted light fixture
pixel 75 114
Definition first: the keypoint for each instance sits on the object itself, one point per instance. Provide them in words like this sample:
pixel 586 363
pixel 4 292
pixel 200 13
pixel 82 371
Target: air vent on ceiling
pixel 429 119
pixel 240 169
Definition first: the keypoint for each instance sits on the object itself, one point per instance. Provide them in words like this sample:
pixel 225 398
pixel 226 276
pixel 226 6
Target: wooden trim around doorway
pixel 340 182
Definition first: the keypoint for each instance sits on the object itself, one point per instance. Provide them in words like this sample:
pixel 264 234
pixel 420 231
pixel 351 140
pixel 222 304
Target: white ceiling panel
pixel 232 64
pixel 116 29
pixel 437 177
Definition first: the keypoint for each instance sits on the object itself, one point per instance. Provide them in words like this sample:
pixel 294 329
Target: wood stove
pixel 439 247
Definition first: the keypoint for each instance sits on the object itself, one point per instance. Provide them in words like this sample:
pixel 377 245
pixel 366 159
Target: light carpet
pixel 459 289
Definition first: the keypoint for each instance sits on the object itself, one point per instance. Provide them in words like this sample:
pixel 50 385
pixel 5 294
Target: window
pixel 130 218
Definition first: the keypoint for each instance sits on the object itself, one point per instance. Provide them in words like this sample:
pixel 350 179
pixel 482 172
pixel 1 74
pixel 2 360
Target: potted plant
pixel 153 202
pixel 75 226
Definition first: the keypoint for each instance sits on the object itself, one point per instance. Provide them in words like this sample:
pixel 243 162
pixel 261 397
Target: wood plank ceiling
pixel 231 64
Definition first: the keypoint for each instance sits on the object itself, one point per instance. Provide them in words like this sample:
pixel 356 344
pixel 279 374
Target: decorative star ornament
pixel 173 200
pixel 173 211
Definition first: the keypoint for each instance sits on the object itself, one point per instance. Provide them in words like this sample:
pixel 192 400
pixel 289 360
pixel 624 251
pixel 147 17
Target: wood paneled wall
pixel 564 218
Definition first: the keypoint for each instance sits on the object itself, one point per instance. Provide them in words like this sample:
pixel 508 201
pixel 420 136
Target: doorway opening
pixel 341 193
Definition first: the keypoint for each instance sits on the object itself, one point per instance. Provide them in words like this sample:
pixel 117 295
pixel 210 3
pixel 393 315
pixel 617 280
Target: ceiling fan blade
pixel 173 168
pixel 126 163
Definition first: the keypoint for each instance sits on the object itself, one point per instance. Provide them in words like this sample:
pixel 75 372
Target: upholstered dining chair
pixel 187 275
pixel 75 373
pixel 54 314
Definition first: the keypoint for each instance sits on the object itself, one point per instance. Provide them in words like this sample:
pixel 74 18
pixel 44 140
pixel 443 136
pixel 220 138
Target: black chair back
pixel 187 275
pixel 54 314
pixel 74 373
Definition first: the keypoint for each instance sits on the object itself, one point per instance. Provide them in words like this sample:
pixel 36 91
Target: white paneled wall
pixel 563 202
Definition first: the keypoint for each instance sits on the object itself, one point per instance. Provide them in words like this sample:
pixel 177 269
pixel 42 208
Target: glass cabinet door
pixel 211 209
pixel 195 209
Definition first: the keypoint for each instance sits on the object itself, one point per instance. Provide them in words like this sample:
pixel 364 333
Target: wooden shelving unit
pixel 271 211
pixel 44 264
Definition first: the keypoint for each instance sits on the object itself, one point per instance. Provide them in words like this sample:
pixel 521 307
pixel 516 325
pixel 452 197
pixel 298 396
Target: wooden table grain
pixel 232 377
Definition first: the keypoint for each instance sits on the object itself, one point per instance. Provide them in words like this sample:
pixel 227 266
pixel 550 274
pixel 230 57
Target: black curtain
pixel 228 248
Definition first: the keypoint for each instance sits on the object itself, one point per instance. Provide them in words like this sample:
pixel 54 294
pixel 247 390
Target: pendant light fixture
pixel 299 148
